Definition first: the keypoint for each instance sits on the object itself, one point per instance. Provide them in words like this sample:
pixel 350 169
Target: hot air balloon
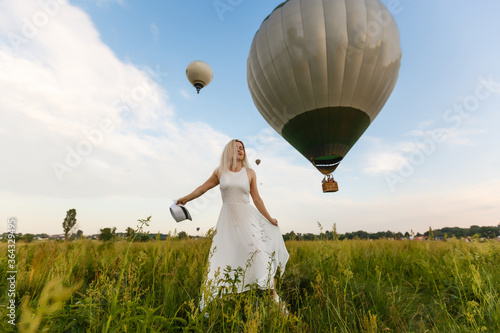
pixel 200 74
pixel 198 229
pixel 320 71
pixel 257 161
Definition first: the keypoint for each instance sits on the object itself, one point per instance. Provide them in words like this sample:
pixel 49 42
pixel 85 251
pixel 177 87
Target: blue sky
pixel 70 140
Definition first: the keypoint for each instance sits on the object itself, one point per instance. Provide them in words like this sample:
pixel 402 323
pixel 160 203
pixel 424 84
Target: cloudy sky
pixel 96 114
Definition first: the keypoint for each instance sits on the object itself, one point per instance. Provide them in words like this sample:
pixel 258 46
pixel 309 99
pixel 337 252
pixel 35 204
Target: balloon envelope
pixel 320 71
pixel 199 73
pixel 257 161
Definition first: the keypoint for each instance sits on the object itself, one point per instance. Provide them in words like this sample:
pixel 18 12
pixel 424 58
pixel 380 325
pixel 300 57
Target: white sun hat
pixel 179 212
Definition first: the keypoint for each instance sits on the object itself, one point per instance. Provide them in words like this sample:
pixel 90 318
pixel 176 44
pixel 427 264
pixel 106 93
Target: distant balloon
pixel 200 74
pixel 257 161
pixel 198 229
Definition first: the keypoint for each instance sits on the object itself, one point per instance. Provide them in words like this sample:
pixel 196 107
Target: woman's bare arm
pixel 200 190
pixel 257 200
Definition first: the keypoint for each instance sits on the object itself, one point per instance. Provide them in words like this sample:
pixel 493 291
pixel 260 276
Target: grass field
pixel 329 286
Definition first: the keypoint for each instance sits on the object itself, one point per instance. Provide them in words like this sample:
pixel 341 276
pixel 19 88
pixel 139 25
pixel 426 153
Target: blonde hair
pixel 228 159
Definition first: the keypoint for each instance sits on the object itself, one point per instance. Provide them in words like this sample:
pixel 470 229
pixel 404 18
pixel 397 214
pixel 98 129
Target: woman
pixel 248 240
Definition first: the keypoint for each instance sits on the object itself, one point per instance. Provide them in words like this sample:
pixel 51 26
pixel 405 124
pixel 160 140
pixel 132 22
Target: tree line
pixel 475 231
pixel 110 234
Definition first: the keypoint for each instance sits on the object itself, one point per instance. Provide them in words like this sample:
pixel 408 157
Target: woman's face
pixel 240 151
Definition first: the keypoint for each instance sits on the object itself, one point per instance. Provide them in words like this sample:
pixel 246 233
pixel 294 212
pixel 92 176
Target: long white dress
pixel 246 249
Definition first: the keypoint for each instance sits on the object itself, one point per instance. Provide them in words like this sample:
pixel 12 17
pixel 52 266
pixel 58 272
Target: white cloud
pixel 384 157
pixel 451 136
pixel 383 162
pixel 78 122
pixel 185 94
pixel 155 31
pixel 102 3
pixel 424 124
pixel 387 157
pixel 415 133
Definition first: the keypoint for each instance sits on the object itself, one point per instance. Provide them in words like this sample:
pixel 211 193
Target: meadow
pixel 328 286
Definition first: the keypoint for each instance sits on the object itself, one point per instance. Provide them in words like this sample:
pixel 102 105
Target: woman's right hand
pixel 181 201
pixel 274 222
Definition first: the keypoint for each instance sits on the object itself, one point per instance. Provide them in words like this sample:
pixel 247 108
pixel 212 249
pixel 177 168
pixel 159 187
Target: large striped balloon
pixel 320 71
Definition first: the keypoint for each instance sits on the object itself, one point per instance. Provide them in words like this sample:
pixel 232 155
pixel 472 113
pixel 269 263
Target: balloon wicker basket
pixel 329 184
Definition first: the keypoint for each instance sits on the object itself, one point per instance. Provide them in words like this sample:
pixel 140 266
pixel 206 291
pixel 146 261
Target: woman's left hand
pixel 274 222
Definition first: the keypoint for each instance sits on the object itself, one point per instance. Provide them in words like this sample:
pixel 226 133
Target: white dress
pixel 245 241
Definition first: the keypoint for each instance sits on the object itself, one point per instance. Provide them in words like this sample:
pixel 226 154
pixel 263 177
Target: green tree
pixel 79 234
pixel 28 238
pixel 182 235
pixel 130 232
pixel 107 234
pixel 69 222
pixel 289 236
pixel 144 238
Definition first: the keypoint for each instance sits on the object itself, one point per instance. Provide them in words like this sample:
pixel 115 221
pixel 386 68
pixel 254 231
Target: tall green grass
pixel 329 286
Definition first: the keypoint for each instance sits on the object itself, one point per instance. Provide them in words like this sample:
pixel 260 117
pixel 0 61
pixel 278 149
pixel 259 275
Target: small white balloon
pixel 200 74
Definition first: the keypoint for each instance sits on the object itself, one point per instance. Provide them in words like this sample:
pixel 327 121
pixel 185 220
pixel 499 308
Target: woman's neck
pixel 237 167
